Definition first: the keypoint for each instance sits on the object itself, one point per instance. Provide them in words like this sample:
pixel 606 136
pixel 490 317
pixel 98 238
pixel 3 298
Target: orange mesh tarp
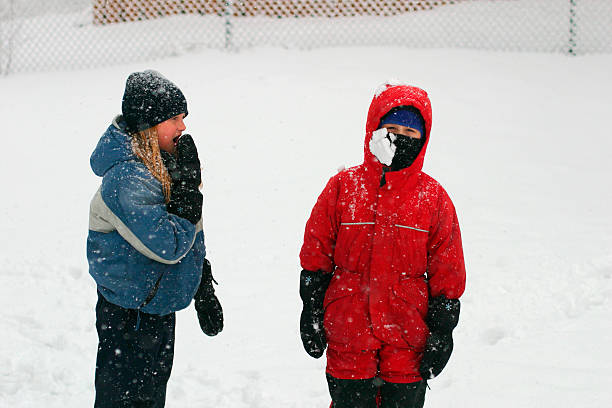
pixel 115 11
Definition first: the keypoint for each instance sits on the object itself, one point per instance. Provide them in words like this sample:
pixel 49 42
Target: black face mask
pixel 406 151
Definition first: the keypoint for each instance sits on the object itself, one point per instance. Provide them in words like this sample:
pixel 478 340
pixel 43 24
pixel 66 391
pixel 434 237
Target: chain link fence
pixel 42 35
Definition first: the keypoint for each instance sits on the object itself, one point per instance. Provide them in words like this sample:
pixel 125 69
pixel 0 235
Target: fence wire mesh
pixel 40 35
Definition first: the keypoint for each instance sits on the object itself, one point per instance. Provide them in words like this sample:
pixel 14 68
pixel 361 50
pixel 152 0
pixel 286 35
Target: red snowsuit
pixel 390 248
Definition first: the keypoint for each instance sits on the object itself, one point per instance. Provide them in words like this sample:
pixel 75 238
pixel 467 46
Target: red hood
pixel 383 102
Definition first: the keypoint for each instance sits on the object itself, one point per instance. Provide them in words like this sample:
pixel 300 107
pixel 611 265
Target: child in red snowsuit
pixel 383 264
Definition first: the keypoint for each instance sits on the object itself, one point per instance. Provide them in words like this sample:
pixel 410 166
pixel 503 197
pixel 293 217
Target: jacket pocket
pixel 352 244
pixel 410 250
pixel 412 293
pixel 345 313
pixel 342 284
pixel 408 300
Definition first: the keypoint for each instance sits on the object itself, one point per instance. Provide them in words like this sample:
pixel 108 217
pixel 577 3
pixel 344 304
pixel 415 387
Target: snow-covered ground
pixel 521 142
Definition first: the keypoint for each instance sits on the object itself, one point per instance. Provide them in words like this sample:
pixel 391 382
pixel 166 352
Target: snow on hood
pixel 385 85
pixel 114 147
pixel 388 96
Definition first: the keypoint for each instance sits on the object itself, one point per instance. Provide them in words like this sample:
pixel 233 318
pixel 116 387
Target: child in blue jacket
pixel 146 245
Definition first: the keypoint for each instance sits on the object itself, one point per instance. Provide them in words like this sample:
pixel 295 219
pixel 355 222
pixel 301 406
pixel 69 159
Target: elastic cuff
pixel 405 379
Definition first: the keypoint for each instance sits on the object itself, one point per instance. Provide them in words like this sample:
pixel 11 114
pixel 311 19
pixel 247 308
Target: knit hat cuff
pixel 404 116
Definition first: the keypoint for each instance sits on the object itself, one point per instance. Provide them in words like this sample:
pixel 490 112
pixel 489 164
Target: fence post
pixel 227 12
pixel 572 28
pixel 7 37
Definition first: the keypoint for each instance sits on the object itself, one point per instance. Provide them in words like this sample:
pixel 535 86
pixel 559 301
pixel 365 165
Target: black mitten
pixel 442 318
pixel 210 313
pixel 312 291
pixel 185 197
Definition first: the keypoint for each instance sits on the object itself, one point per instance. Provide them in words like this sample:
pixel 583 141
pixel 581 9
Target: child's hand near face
pixel 185 198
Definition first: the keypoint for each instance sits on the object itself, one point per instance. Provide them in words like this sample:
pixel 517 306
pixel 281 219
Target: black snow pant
pixel 135 354
pixel 364 393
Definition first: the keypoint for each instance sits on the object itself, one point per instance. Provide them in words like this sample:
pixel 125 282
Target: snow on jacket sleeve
pixel 321 230
pixel 134 207
pixel 446 267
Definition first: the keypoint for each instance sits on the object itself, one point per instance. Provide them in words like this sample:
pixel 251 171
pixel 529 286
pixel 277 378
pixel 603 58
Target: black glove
pixel 442 318
pixel 184 169
pixel 210 313
pixel 312 291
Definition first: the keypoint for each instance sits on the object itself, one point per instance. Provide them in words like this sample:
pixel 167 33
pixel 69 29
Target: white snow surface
pixel 521 142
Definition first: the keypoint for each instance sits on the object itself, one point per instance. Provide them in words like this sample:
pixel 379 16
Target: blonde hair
pixel 146 147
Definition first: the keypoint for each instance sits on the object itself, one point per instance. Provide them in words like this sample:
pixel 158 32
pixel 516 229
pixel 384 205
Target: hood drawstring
pixel 137 320
pixel 148 300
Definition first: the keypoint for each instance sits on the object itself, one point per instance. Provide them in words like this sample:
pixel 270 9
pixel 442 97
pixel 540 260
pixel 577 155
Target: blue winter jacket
pixel 134 244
